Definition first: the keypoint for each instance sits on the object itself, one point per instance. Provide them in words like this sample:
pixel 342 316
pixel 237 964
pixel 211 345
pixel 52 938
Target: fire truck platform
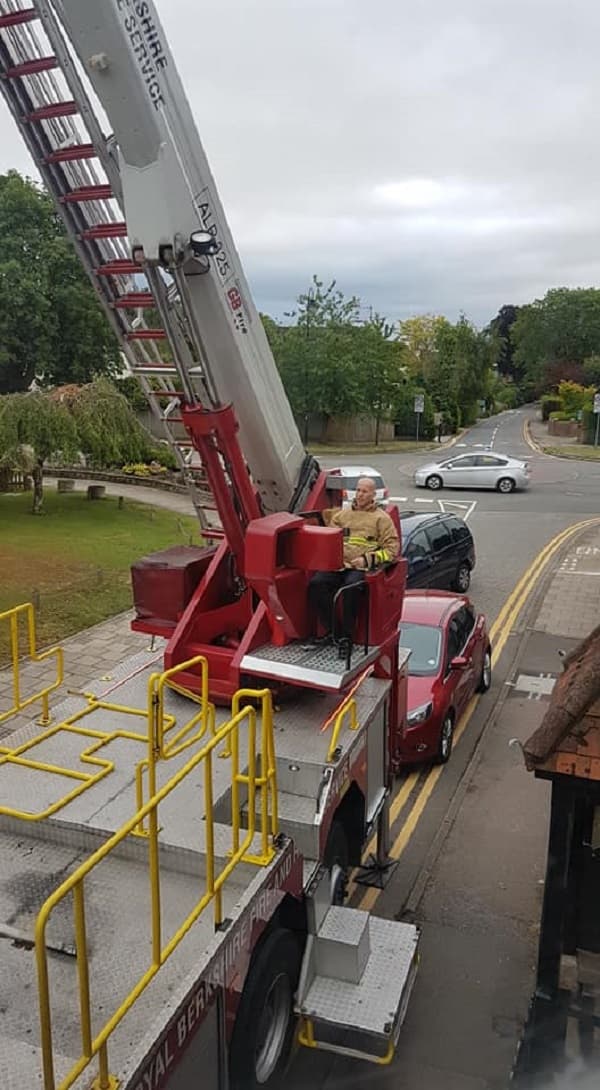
pixel 70 798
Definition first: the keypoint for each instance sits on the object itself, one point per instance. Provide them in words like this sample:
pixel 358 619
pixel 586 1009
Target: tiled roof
pixel 568 738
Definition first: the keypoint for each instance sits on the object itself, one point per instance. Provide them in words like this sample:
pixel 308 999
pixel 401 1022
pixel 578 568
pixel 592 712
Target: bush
pixel 404 416
pixel 144 469
pixel 164 456
pixel 575 397
pixel 562 416
pixel 550 404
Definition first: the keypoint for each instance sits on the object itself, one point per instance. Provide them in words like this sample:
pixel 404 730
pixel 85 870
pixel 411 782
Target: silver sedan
pixel 474 471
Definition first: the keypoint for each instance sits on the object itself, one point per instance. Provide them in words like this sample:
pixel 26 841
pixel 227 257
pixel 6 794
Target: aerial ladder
pixel 93 88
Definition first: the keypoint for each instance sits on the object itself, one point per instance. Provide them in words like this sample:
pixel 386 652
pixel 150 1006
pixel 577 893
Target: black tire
pixel 434 482
pixel 264 1026
pixel 506 485
pixel 446 738
pixel 337 858
pixel 462 579
pixel 486 673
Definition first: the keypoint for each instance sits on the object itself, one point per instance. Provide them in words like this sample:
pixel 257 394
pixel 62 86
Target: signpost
pixel 419 408
pixel 597 415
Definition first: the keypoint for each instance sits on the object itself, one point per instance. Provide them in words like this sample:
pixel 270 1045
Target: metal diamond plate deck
pixel 343 925
pixel 117 915
pixel 321 666
pixel 372 1005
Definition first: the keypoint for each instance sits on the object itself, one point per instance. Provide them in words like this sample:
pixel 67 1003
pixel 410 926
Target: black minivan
pixel 439 549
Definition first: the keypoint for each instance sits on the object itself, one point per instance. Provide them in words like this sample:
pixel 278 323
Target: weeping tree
pixel 94 420
pixel 34 428
pixel 108 431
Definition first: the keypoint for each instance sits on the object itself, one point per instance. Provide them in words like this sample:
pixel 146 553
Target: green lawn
pixel 73 561
pixel 583 451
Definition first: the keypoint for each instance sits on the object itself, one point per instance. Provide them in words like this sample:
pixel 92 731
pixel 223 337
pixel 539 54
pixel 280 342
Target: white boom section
pixel 168 193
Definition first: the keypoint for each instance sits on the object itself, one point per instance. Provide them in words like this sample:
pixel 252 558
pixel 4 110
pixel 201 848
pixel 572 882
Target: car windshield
pixel 425 643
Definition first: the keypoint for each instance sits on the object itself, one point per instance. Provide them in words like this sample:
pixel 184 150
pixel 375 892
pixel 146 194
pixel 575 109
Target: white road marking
pixel 398 499
pixel 561 572
pixel 418 499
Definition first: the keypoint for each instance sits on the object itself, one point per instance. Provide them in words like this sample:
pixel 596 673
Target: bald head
pixel 365 492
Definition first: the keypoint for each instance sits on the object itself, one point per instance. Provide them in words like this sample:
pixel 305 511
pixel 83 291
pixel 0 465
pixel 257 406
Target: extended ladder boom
pixel 175 222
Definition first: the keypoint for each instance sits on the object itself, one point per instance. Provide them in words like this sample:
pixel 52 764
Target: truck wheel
pixel 337 859
pixel 264 1025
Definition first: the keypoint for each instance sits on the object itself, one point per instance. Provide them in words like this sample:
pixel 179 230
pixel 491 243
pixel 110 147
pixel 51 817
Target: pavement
pixel 472 875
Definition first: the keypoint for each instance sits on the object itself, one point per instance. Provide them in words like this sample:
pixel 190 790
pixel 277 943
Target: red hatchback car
pixel 451 659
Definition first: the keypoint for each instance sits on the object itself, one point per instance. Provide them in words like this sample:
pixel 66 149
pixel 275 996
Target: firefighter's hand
pixel 359 562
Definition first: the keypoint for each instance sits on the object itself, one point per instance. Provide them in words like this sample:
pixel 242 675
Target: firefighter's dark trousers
pixel 321 591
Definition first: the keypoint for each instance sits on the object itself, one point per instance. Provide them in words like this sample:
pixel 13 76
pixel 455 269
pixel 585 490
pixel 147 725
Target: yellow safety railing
pixel 347 711
pixel 160 725
pixel 229 733
pixel 13 617
pixel 22 756
pixel 306 1037
pixel 344 710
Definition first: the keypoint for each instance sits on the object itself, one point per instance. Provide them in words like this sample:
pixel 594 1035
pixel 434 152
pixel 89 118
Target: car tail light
pixel 386 493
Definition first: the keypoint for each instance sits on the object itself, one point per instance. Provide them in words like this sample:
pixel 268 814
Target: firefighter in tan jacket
pixel 370 539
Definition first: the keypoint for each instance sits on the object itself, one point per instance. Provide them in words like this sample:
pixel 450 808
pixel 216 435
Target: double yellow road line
pixel 499 634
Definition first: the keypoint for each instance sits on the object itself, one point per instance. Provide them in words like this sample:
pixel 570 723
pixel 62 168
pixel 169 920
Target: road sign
pixel 596 403
pixel 420 403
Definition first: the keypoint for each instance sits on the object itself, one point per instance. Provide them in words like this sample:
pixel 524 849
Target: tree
pixel 501 327
pixel 562 329
pixel 382 367
pixel 318 355
pixel 418 337
pixel 52 327
pixel 33 428
pixel 108 431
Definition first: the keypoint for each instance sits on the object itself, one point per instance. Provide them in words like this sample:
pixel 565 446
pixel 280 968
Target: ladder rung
pixel 118 268
pixel 14 18
pixel 146 335
pixel 134 300
pixel 69 155
pixel 154 369
pixel 31 68
pixel 105 230
pixel 55 109
pixel 87 193
pixel 165 393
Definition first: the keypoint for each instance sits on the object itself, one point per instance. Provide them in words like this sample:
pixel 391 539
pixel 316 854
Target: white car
pixel 482 470
pixel 346 478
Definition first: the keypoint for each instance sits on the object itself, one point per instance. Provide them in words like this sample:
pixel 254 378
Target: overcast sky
pixel 432 156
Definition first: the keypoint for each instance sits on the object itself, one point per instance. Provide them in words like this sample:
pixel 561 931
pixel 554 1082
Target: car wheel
pixel 446 738
pixel 434 482
pixel 506 485
pixel 486 673
pixel 462 579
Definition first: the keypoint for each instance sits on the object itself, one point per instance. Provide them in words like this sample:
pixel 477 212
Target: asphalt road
pixel 509 532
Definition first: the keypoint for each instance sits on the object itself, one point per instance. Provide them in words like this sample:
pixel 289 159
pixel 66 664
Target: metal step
pixel 317 667
pixel 356 980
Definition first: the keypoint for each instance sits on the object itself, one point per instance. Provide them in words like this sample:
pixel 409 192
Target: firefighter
pixel 370 539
